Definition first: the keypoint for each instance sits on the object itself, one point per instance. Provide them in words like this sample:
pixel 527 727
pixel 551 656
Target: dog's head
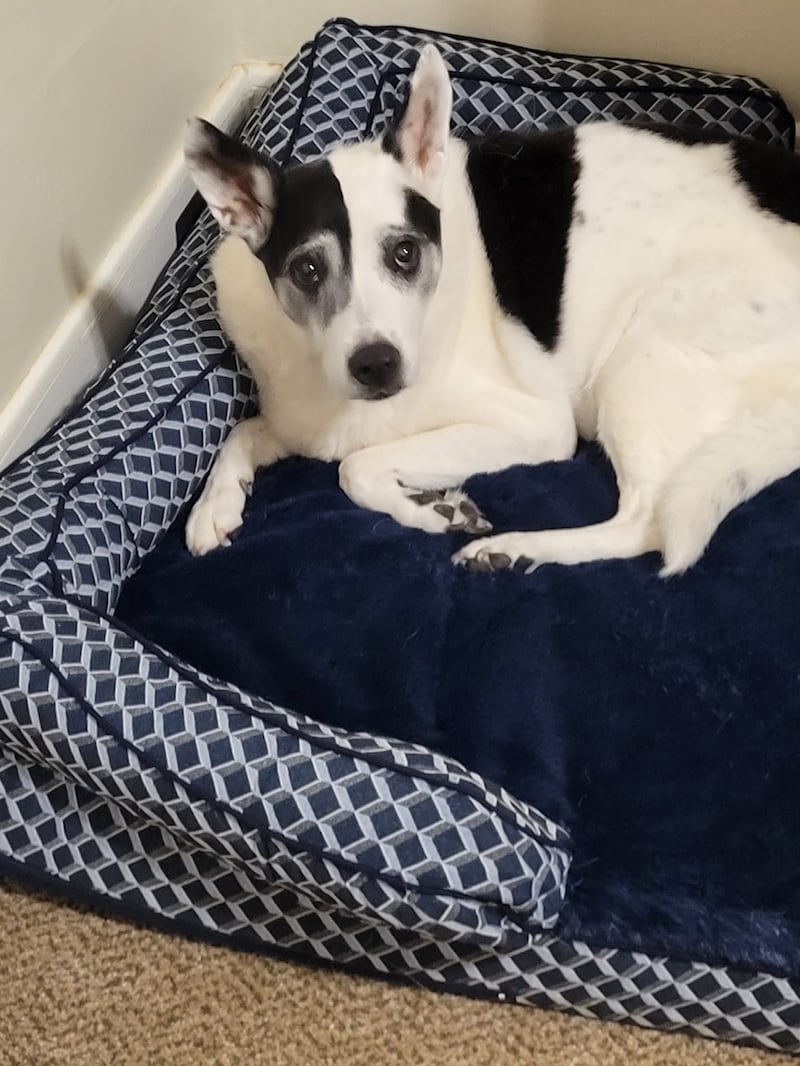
pixel 350 243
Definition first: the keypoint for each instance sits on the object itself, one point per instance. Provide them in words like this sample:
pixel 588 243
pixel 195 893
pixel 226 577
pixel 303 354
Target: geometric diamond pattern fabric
pixel 357 74
pixel 128 779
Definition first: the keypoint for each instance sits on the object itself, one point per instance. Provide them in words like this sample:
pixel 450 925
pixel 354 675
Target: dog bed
pixel 590 800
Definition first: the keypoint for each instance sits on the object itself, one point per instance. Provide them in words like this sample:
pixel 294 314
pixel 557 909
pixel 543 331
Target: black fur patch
pixel 524 189
pixel 772 176
pixel 423 217
pixel 391 144
pixel 310 201
pixel 228 154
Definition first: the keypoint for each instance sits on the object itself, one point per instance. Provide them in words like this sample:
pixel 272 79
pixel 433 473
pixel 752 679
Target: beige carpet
pixel 80 990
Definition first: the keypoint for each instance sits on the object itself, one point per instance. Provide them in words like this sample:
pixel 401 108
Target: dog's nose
pixel 377 367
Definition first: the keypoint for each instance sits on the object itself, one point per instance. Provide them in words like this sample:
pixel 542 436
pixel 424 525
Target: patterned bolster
pixel 388 831
pixel 350 79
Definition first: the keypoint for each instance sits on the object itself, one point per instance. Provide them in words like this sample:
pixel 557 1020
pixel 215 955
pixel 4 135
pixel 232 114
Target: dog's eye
pixel 305 272
pixel 405 255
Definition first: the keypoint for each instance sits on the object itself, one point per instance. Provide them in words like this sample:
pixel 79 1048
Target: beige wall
pixel 94 96
pixel 95 93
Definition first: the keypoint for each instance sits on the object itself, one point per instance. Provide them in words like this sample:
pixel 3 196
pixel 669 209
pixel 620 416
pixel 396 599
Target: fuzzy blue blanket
pixel 659 719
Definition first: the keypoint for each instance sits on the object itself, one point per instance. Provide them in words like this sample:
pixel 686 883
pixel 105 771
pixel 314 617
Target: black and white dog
pixel 424 308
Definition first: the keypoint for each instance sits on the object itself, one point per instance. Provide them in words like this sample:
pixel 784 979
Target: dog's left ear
pixel 420 139
pixel 239 185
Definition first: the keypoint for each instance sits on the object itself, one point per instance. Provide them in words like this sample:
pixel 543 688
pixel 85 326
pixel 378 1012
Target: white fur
pixel 679 351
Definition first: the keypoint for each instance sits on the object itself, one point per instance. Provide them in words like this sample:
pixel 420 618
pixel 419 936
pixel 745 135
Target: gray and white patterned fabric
pixel 130 781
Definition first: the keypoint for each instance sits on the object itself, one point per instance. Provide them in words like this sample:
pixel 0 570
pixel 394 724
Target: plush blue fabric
pixel 659 719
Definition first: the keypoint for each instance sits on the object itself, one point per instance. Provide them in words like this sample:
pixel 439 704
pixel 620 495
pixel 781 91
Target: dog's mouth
pixel 383 393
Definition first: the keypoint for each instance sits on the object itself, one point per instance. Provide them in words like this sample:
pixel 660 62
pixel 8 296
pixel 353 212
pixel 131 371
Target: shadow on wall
pixel 113 321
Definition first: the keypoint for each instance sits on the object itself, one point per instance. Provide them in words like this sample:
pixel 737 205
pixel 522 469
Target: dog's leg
pixel 653 408
pixel 217 515
pixel 629 533
pixel 633 423
pixel 416 479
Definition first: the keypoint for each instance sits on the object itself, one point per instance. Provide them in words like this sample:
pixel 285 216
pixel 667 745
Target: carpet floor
pixel 77 989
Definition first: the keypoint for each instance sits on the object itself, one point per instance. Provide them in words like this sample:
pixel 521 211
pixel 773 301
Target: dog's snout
pixel 377 367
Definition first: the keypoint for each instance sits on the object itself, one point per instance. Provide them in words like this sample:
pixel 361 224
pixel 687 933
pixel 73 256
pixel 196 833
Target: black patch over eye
pixel 306 271
pixel 404 256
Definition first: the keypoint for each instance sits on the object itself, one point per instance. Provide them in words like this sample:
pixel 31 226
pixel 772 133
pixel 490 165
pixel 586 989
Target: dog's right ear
pixel 239 185
pixel 420 138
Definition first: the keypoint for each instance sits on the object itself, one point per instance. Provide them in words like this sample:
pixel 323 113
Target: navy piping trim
pixel 55 577
pixel 115 507
pixel 294 847
pixel 312 61
pixel 47 550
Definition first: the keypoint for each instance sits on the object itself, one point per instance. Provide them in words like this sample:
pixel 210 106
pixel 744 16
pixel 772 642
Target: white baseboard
pixel 100 319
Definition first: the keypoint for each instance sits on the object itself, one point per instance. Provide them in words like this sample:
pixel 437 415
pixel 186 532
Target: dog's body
pixel 612 282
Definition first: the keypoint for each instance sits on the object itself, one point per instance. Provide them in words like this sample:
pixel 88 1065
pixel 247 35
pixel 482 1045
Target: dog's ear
pixel 420 138
pixel 239 185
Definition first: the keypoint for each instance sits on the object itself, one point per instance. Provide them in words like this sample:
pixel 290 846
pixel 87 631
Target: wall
pixel 733 36
pixel 95 93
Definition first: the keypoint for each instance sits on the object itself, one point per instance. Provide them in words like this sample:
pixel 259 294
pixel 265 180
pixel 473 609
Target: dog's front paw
pixel 503 552
pixel 447 511
pixel 433 510
pixel 216 518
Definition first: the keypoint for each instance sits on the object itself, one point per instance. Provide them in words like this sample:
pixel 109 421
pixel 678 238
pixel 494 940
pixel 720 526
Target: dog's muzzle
pixel 377 368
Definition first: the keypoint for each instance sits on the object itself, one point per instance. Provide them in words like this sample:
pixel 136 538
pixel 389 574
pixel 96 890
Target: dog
pixel 424 308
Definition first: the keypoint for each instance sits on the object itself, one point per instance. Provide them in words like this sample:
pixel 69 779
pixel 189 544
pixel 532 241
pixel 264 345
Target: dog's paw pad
pixel 488 562
pixel 524 565
pixel 473 520
pixel 499 561
pixel 427 496
pixel 456 512
pixel 476 566
pixel 489 557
